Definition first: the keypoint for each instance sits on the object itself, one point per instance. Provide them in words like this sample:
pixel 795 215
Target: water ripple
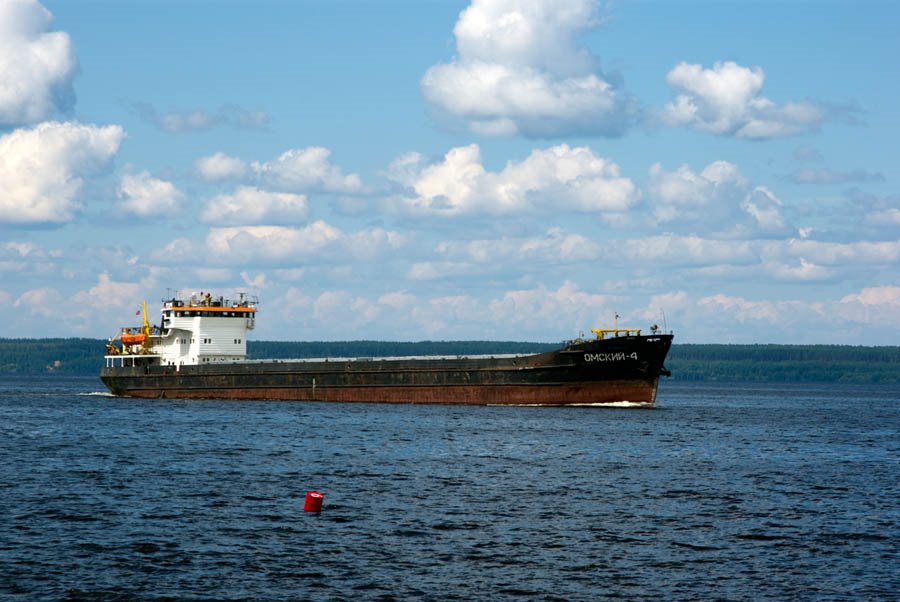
pixel 721 493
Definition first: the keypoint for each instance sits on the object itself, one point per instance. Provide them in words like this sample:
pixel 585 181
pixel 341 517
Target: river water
pixel 721 492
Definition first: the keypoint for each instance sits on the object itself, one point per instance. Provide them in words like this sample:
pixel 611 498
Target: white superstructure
pixel 195 330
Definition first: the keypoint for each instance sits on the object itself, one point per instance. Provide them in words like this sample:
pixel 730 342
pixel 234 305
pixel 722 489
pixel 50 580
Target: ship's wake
pixel 615 404
pixel 602 404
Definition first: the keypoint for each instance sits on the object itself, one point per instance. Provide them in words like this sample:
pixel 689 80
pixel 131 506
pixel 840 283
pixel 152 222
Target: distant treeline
pixel 65 356
pixel 736 363
pixel 785 363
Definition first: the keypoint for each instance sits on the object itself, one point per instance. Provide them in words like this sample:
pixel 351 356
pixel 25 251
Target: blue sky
pixel 492 169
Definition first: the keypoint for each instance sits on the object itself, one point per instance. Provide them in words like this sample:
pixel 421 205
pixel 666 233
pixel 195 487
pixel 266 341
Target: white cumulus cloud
pixel 877 295
pixel 848 255
pixel 566 310
pixel 744 310
pixel 519 71
pixel 270 243
pixel 110 293
pixel 28 259
pixel 557 178
pixel 717 199
pixel 884 217
pixel 671 250
pixel 145 196
pixel 675 192
pixel 43 302
pixel 283 245
pixel 220 166
pixel 726 100
pixel 520 314
pixel 306 169
pixel 295 170
pixel 37 66
pixel 802 271
pixel 556 246
pixel 42 169
pixel 251 206
pixel 506 256
pixel 764 208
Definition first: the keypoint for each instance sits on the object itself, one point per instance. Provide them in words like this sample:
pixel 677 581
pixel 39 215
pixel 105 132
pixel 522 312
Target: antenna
pixel 665 326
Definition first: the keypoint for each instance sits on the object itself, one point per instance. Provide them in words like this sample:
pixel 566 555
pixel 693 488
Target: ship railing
pixel 602 333
pixel 129 360
pixel 209 300
pixel 155 330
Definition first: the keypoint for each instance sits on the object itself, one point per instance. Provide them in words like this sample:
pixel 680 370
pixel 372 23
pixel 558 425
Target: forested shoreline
pixel 688 362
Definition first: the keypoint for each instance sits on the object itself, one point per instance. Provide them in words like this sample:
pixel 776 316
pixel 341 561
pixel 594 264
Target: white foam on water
pixel 615 404
pixel 97 394
pixel 607 404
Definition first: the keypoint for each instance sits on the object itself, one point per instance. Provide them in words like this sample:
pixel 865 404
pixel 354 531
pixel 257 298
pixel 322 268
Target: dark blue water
pixel 720 493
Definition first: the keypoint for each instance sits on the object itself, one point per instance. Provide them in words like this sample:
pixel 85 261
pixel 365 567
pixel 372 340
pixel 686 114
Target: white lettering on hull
pixel 609 357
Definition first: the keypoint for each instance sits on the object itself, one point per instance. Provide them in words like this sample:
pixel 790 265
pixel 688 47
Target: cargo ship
pixel 199 351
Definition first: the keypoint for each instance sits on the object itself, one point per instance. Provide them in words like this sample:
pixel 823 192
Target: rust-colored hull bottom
pixel 547 394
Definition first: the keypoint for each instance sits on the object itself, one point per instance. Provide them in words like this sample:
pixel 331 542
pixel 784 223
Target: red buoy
pixel 313 501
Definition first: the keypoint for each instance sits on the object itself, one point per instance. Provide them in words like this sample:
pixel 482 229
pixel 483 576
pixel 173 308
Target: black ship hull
pixel 618 369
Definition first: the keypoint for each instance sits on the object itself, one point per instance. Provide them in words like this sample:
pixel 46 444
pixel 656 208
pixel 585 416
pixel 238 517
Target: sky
pixel 452 170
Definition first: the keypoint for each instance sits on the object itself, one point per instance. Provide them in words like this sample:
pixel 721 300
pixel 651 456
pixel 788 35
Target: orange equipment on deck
pixel 133 339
